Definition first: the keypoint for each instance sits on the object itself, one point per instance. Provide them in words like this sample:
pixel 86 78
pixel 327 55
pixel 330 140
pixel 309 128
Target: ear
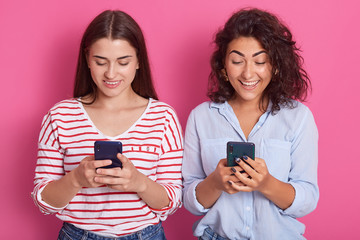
pixel 224 73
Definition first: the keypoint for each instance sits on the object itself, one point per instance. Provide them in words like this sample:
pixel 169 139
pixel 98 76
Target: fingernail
pixel 245 157
pixel 229 182
pixel 233 170
pixel 237 160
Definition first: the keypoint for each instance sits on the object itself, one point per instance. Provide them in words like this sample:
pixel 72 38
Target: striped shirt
pixel 154 145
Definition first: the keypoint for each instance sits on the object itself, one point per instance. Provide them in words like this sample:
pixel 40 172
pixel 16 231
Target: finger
pixel 236 169
pixel 115 172
pixel 249 165
pixel 240 187
pixel 239 183
pixel 109 180
pixel 234 178
pixel 245 178
pixel 223 162
pixel 90 158
pixel 101 163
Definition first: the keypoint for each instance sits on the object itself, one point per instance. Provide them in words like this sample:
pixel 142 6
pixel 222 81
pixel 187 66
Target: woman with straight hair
pixel 256 84
pixel 114 100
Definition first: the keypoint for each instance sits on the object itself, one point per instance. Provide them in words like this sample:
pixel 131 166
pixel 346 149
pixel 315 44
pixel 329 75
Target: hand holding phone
pixel 108 150
pixel 238 150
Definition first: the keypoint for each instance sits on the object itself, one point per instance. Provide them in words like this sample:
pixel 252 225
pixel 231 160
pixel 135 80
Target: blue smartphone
pixel 108 150
pixel 238 150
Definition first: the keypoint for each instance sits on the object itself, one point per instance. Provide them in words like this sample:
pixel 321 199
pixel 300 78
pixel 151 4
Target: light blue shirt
pixel 287 141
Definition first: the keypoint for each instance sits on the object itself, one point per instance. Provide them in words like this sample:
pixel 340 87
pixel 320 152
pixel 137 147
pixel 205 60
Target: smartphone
pixel 238 150
pixel 108 150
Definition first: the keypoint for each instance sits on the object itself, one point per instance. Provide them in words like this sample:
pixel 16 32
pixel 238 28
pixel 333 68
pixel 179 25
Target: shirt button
pixel 248 208
pixel 247 228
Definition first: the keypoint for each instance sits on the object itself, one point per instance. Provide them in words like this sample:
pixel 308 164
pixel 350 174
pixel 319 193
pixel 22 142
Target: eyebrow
pixel 243 55
pixel 119 58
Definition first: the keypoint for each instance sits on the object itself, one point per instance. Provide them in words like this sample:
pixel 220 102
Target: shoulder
pixel 70 106
pixel 70 103
pixel 160 110
pixel 297 116
pixel 298 109
pixel 206 109
pixel 203 107
pixel 159 106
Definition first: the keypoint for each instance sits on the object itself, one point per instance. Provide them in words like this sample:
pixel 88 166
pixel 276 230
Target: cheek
pixel 96 70
pixel 265 73
pixel 232 72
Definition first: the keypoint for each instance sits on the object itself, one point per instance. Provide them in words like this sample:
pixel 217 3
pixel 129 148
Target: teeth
pixel 111 83
pixel 250 83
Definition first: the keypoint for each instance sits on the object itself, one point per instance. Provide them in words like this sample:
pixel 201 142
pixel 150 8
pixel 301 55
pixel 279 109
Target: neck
pixel 121 101
pixel 246 106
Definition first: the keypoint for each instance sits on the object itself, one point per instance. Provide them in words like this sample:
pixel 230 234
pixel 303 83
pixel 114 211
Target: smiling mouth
pixel 250 84
pixel 112 82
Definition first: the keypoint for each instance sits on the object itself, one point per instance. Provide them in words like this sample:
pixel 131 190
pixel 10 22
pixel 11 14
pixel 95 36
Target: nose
pixel 248 71
pixel 110 72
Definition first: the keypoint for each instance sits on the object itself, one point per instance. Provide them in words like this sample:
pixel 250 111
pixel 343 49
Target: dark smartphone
pixel 238 150
pixel 108 150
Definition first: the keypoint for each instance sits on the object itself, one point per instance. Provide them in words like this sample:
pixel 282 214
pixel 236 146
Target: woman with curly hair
pixel 255 86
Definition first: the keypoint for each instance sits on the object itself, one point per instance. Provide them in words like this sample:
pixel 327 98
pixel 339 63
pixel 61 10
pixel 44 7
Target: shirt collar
pixel 226 104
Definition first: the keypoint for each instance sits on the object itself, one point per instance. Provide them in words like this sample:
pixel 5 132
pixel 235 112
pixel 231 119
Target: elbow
pixel 305 202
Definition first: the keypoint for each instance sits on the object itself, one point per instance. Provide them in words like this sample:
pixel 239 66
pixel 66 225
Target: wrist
pixel 73 180
pixel 268 185
pixel 144 183
pixel 213 184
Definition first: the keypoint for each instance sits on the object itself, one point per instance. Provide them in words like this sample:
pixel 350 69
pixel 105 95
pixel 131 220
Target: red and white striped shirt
pixel 154 145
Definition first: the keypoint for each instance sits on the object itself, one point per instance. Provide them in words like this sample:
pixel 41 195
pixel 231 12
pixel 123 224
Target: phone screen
pixel 238 150
pixel 108 150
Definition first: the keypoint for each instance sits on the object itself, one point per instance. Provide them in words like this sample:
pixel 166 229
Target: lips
pixel 112 84
pixel 249 85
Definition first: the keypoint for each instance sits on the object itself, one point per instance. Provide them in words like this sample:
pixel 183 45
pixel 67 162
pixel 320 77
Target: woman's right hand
pixel 220 180
pixel 60 192
pixel 223 177
pixel 85 173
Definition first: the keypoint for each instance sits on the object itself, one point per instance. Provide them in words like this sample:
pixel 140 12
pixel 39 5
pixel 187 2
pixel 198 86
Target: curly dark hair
pixel 289 79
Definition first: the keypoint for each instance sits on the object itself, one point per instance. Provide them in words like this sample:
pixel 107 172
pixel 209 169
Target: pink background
pixel 38 49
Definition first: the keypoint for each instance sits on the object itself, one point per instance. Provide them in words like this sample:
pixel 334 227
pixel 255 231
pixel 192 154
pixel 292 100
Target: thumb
pixel 223 162
pixel 124 160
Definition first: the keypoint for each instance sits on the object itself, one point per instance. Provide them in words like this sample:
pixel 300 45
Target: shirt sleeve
pixel 49 166
pixel 303 173
pixel 192 170
pixel 169 165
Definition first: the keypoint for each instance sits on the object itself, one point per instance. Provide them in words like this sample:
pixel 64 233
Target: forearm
pixel 280 193
pixel 60 192
pixel 206 193
pixel 154 194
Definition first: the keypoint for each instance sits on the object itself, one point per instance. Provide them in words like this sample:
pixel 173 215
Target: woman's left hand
pixel 255 177
pixel 127 178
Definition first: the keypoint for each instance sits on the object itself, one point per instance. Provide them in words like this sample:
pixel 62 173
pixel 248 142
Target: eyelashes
pixel 234 62
pixel 257 63
pixel 102 64
pixel 99 64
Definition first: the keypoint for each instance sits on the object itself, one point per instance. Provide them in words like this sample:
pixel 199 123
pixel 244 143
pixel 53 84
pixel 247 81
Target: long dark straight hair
pixel 114 25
